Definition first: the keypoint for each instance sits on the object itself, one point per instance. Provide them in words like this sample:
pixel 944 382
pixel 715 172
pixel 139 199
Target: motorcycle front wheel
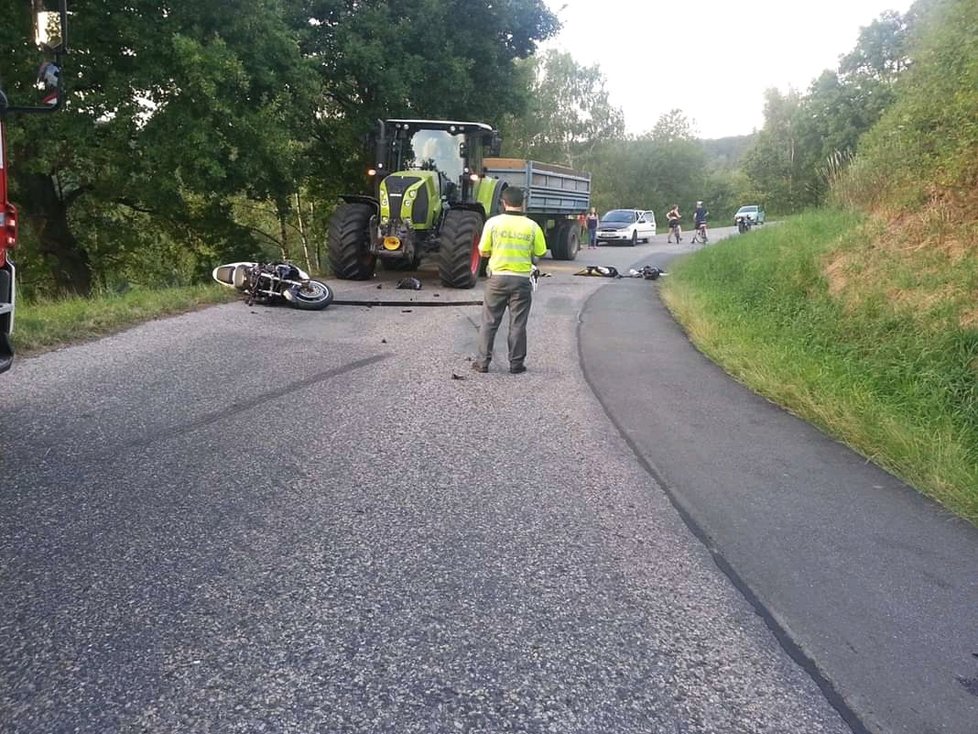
pixel 311 296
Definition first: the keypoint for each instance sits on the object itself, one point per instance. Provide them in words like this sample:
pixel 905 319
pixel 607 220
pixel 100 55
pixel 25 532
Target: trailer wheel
pixel 567 242
pixel 459 245
pixel 348 242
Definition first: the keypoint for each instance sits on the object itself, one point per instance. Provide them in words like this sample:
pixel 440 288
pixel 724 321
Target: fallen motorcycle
pixel 273 282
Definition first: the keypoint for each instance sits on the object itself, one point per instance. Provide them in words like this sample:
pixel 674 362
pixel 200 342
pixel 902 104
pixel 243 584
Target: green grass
pixel 46 325
pixel 851 333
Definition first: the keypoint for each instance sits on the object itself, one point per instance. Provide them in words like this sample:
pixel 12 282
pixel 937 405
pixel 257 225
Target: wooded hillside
pixel 916 174
pixel 197 132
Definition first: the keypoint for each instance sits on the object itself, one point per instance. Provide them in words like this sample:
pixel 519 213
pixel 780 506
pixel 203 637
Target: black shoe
pixel 517 369
pixel 476 367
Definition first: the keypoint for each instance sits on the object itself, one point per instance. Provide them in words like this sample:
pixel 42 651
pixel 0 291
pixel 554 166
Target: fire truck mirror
pixel 49 82
pixel 49 31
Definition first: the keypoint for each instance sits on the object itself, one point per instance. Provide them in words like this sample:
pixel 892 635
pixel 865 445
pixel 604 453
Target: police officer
pixel 512 242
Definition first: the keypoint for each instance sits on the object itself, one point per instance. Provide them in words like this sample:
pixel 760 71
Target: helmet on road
pixel 411 284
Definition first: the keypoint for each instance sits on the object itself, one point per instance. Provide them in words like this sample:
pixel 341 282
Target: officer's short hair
pixel 513 196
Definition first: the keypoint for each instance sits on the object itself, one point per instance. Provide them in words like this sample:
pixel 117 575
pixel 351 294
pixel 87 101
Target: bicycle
pixel 699 235
pixel 674 230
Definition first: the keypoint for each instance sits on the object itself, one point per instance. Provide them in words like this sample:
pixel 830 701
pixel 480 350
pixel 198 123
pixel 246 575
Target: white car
pixel 626 226
pixel 752 211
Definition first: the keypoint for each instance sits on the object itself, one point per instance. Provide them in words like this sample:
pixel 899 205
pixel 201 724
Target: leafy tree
pixel 568 112
pixel 666 166
pixel 774 164
pixel 676 161
pixel 673 126
pixel 806 137
pixel 449 59
pixel 192 129
pixel 882 51
pixel 172 110
pixel 926 144
pixel 422 57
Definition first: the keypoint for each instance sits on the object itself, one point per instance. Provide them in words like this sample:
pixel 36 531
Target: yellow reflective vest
pixel 512 240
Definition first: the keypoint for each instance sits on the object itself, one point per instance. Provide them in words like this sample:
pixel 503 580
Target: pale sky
pixel 712 59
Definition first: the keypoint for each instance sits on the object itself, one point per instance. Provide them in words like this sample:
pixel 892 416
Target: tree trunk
pixel 302 233
pixel 48 216
pixel 283 230
pixel 319 249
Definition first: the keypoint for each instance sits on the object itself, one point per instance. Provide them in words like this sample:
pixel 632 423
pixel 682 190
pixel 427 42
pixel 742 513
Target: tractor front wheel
pixel 458 266
pixel 348 242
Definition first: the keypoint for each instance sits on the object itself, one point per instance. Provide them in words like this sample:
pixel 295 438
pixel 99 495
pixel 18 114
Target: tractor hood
pixel 408 196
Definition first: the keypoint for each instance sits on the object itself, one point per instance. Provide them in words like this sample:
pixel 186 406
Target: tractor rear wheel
pixel 567 242
pixel 348 242
pixel 459 246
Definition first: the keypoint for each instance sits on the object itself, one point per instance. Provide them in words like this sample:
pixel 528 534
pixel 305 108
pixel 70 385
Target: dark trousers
pixel 502 292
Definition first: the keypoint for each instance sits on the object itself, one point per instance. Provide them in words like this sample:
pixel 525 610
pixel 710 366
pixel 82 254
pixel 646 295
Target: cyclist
pixel 699 220
pixel 674 229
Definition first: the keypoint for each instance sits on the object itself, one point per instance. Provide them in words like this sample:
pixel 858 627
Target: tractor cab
pixel 452 151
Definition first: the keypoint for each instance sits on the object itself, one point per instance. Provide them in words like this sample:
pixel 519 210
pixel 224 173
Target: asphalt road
pixel 256 519
pixel 870 586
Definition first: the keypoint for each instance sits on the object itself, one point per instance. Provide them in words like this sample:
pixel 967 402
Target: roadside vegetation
pixel 863 318
pixel 872 355
pixel 50 324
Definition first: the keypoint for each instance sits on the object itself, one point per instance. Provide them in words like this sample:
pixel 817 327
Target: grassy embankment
pixel 857 326
pixel 50 324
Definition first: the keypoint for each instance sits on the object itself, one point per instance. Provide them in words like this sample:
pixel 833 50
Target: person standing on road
pixel 592 229
pixel 699 219
pixel 512 242
pixel 673 216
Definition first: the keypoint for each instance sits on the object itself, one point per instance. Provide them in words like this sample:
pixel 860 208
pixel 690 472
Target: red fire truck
pixel 50 35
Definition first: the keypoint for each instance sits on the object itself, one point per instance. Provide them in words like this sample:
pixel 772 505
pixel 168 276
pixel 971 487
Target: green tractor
pixel 429 198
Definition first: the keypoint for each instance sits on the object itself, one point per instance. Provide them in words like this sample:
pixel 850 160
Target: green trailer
pixel 556 198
